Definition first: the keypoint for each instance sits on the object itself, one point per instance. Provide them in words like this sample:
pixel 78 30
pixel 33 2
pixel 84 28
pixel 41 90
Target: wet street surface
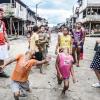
pixel 44 86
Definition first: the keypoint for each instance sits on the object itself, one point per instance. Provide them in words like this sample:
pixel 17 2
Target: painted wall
pixel 20 11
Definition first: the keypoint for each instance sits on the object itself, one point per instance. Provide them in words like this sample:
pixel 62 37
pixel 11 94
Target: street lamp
pixel 37 9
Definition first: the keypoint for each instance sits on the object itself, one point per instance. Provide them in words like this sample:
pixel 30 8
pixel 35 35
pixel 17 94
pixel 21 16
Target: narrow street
pixel 45 86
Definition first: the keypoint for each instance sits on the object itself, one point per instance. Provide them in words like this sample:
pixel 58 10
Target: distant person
pixel 95 65
pixel 82 49
pixel 19 78
pixel 78 41
pixel 28 35
pixel 35 47
pixel 59 34
pixel 64 67
pixel 34 37
pixel 4 43
pixel 43 39
pixel 48 34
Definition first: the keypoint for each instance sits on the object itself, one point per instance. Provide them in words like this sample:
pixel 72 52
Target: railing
pixel 89 18
pixel 93 17
pixel 89 4
pixel 94 4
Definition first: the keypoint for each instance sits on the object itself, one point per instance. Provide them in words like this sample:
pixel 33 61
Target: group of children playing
pixel 25 62
pixel 64 60
pixel 69 51
pixel 39 42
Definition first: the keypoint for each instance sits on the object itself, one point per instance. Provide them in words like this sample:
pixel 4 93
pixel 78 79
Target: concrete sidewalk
pixel 11 38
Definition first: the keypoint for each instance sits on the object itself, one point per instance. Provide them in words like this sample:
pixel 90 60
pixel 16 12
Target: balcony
pixel 90 18
pixel 93 4
pixel 93 17
pixel 89 3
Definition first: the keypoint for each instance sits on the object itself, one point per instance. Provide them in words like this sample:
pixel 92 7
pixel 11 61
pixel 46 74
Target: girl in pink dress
pixel 64 66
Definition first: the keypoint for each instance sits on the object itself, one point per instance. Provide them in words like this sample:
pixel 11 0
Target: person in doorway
pixel 19 78
pixel 64 66
pixel 4 44
pixel 78 41
pixel 95 65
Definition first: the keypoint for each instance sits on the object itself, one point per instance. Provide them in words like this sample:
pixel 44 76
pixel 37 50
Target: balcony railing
pixel 94 4
pixel 89 18
pixel 93 17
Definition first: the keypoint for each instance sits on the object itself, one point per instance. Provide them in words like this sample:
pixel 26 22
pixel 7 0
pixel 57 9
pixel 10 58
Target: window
pixel 88 11
pixel 21 8
pixel 4 1
pixel 13 5
pixel 84 13
pixel 99 11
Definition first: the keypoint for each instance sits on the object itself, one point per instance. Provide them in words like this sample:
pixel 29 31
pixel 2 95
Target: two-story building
pixel 89 15
pixel 17 15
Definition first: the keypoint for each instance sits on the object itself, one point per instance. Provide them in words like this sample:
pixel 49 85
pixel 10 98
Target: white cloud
pixel 57 13
pixel 51 25
pixel 36 1
pixel 54 15
pixel 59 1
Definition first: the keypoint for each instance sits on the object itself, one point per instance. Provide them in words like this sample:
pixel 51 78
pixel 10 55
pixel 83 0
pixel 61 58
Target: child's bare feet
pixel 63 92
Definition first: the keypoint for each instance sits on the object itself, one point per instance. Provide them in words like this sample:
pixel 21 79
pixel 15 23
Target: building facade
pixel 89 15
pixel 18 16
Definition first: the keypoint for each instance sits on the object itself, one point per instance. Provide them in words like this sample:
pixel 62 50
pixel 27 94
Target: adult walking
pixel 95 65
pixel 78 41
pixel 4 42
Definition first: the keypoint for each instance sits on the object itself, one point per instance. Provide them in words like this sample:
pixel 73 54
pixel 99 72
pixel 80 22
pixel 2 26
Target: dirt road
pixel 45 86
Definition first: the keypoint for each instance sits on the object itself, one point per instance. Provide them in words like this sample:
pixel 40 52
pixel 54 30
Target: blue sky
pixel 55 11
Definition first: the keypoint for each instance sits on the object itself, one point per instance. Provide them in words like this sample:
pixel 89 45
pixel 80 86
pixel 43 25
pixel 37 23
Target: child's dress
pixel 65 64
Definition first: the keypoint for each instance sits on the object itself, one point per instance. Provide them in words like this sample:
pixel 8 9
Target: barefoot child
pixel 24 64
pixel 64 67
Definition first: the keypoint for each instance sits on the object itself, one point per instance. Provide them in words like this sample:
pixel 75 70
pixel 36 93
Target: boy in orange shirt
pixel 24 64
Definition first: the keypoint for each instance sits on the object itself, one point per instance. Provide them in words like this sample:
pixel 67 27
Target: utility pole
pixel 37 11
pixel 73 18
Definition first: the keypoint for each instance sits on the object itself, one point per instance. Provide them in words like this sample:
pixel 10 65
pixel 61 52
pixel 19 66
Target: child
pixel 24 63
pixel 64 67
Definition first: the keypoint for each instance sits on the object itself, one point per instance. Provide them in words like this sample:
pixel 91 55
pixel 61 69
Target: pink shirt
pixel 65 64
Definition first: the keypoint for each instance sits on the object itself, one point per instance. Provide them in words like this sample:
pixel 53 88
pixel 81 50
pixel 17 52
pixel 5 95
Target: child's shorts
pixel 66 78
pixel 39 56
pixel 19 86
pixel 78 46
